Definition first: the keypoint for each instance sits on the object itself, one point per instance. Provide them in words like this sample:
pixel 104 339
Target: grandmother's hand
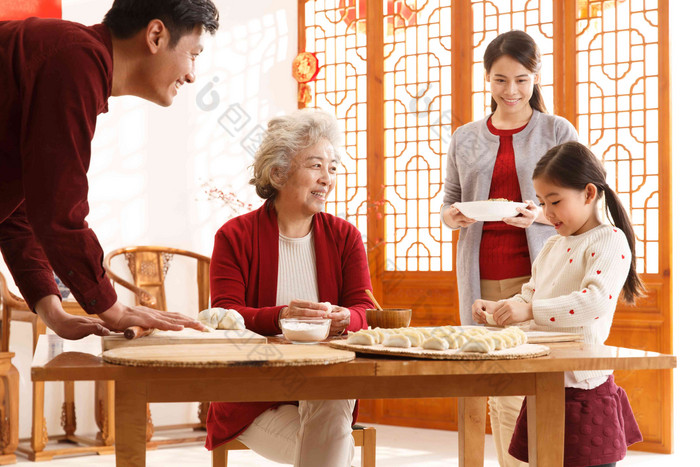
pixel 304 309
pixel 340 320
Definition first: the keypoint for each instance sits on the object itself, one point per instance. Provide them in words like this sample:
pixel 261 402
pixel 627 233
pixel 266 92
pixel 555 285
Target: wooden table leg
pixel 545 421
pixel 471 423
pixel 104 411
pixel 130 425
pixel 68 421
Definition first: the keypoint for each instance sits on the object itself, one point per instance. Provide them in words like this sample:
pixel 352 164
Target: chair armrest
pixel 10 299
pixel 143 297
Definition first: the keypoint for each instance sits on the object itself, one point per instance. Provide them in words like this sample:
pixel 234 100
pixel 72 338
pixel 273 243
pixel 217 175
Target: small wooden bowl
pixel 389 317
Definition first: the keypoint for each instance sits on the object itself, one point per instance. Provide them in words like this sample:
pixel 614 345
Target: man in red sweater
pixel 55 78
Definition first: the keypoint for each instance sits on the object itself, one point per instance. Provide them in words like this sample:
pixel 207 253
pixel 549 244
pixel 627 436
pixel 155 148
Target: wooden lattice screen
pixel 402 75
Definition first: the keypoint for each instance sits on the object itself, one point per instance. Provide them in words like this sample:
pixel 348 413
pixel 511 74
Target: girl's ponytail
pixel 633 285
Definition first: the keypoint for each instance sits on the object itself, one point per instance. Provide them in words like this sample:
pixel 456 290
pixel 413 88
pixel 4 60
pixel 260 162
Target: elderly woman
pixel 281 261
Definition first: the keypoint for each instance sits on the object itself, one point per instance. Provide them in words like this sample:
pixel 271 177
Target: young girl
pixel 494 158
pixel 575 284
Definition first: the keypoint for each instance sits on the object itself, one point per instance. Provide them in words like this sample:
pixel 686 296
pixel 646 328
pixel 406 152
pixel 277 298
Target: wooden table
pixel 541 379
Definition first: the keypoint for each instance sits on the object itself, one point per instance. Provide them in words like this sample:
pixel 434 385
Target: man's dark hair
pixel 127 17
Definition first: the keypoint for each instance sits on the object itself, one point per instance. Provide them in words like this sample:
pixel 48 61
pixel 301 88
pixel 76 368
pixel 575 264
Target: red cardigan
pixel 243 276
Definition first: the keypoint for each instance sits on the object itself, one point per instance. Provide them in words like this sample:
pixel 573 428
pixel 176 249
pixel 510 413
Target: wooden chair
pixel 365 437
pixel 9 409
pixel 15 309
pixel 149 266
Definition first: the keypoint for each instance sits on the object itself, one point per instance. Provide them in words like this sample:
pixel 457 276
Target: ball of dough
pixel 211 317
pixel 232 320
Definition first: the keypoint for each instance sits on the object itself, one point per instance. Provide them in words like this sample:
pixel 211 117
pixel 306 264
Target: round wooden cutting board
pixel 211 355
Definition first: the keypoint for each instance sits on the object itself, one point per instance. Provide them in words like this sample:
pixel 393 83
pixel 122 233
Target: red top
pixel 503 253
pixel 55 78
pixel 243 276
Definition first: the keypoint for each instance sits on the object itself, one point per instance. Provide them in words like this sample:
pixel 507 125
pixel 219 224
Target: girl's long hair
pixel 573 165
pixel 521 47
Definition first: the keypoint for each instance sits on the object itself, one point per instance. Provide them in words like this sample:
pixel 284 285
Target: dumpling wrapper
pixel 397 340
pixel 490 319
pixel 360 338
pixel 435 343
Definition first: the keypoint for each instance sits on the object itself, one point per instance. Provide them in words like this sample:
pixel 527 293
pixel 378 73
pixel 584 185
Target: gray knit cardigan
pixel 470 161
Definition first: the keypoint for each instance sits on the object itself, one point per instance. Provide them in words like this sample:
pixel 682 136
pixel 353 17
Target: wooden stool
pixel 365 438
pixel 9 409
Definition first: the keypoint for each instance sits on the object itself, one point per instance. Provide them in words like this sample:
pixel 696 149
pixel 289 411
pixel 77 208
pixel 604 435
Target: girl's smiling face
pixel 571 211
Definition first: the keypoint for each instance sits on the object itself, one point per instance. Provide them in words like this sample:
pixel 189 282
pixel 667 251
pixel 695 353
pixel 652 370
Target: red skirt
pixel 599 425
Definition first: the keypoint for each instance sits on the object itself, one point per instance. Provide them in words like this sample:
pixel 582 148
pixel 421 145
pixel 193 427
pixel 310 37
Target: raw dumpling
pixel 435 343
pixel 455 341
pixel 329 307
pixel 414 336
pixel 232 320
pixel 517 333
pixel 397 340
pixel 360 338
pixel 478 344
pixel 503 341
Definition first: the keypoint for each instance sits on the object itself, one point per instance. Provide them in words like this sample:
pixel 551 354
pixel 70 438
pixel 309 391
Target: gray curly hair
pixel 285 137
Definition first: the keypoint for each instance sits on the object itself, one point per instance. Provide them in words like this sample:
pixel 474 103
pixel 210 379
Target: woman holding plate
pixel 284 260
pixel 494 158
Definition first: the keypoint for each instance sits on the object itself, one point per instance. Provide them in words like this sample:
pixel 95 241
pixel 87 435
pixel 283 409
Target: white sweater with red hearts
pixel 576 281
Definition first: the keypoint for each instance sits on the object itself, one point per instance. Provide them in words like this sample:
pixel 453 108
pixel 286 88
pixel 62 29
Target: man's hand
pixel 64 324
pixel 119 317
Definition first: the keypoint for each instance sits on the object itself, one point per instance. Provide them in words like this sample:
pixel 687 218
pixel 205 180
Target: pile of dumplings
pixel 474 339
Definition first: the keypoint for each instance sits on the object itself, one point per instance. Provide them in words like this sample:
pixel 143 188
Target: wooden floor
pixel 396 446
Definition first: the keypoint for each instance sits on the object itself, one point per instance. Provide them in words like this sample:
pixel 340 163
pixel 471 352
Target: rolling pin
pixel 134 332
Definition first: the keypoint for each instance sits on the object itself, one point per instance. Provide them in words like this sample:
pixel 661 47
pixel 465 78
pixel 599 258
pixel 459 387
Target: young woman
pixel 494 158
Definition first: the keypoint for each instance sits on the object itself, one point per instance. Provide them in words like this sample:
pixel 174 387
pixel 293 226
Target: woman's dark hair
pixel 573 165
pixel 127 17
pixel 519 46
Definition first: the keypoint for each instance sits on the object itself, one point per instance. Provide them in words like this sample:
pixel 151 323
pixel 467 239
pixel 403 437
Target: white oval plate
pixel 489 211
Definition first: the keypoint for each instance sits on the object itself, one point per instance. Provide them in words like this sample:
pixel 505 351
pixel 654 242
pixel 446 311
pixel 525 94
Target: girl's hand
pixel 527 216
pixel 480 308
pixel 454 218
pixel 512 311
pixel 340 320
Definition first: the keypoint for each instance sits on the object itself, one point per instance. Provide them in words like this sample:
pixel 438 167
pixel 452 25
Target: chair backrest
pixel 149 266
